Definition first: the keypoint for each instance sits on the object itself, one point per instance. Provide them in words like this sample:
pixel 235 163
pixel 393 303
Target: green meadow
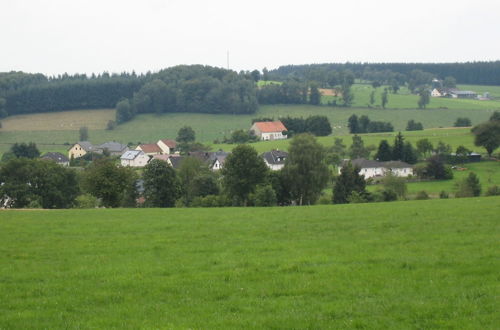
pixel 400 265
pixel 51 135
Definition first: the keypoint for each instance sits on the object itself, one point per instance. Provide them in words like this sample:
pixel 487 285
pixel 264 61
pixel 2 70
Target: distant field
pixel 402 265
pixel 405 100
pixel 453 136
pixel 52 130
pixel 493 90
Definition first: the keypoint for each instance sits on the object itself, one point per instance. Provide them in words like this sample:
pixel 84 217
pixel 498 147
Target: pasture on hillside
pixel 405 100
pixel 51 135
pixel 417 264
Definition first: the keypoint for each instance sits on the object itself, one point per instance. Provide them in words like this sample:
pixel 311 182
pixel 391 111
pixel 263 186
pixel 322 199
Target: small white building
pixel 134 158
pixel 373 168
pixel 275 159
pixel 269 130
pixel 436 93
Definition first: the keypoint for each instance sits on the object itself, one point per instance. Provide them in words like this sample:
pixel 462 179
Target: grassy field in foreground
pixel 411 265
pixel 51 134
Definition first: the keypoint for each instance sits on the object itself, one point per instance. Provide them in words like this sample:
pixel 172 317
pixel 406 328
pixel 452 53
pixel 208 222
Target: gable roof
pixel 169 143
pixel 270 126
pixel 113 146
pixel 150 148
pixel 275 157
pixel 87 146
pixel 176 161
pixel 55 156
pixel 131 154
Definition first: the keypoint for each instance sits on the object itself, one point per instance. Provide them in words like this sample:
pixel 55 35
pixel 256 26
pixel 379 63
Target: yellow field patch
pixel 59 121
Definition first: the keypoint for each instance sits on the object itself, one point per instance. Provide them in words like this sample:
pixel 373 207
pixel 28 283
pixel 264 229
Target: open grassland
pixel 493 90
pixel 402 265
pixel 147 128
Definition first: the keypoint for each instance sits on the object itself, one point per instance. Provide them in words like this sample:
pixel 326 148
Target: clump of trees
pixel 487 134
pixel 363 124
pixel 316 125
pixel 400 150
pixel 462 122
pixel 414 126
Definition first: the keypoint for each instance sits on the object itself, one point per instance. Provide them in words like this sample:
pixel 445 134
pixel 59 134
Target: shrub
pixel 357 197
pixel 264 196
pixel 493 191
pixel 86 201
pixel 422 195
pixel 111 125
pixel 469 187
pixel 443 194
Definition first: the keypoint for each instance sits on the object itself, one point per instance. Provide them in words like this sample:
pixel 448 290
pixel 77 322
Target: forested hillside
pixel 475 73
pixel 193 88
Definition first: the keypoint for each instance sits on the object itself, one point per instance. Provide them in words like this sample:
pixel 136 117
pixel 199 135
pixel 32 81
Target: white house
pixel 436 93
pixel 57 158
pixel 275 159
pixel 269 130
pixel 373 168
pixel 134 158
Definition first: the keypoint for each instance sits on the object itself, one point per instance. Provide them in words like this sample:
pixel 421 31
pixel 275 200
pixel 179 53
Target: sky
pixel 85 36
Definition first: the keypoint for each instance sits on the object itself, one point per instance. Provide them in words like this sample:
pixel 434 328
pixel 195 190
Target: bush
pixel 86 201
pixel 469 187
pixel 386 195
pixel 443 194
pixel 264 196
pixel 493 191
pixel 462 122
pixel 422 195
pixel 357 197
pixel 325 200
pixel 111 125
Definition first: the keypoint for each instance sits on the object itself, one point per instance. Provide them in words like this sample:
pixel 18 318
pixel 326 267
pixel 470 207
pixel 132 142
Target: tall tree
pixel 372 98
pixel 314 95
pixel 83 133
pixel 161 186
pixel 306 169
pixel 111 183
pixel 124 111
pixel 384 152
pixel 424 98
pixel 346 183
pixel 385 97
pixel 243 170
pixel 487 135
pixel 357 148
pixel 186 134
pixel 353 124
pixel 398 148
pixel 424 147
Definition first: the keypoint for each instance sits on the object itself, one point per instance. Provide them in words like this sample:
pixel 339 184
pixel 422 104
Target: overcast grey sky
pixel 57 36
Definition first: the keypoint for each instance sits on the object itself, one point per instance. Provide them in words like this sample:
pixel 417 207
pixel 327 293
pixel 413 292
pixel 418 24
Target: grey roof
pixel 56 156
pixel 218 156
pixel 275 157
pixel 131 154
pixel 464 93
pixel 87 146
pixel 113 146
pixel 367 163
pixel 177 161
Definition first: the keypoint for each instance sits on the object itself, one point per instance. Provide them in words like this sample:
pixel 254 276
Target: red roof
pixel 150 148
pixel 270 126
pixel 170 143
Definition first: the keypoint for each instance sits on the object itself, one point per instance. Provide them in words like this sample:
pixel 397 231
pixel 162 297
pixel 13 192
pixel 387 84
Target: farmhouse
pixel 436 93
pixel 56 157
pixel 217 159
pixel 81 148
pixel 114 148
pixel 167 146
pixel 134 158
pixel 150 149
pixel 373 168
pixel 275 159
pixel 269 130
